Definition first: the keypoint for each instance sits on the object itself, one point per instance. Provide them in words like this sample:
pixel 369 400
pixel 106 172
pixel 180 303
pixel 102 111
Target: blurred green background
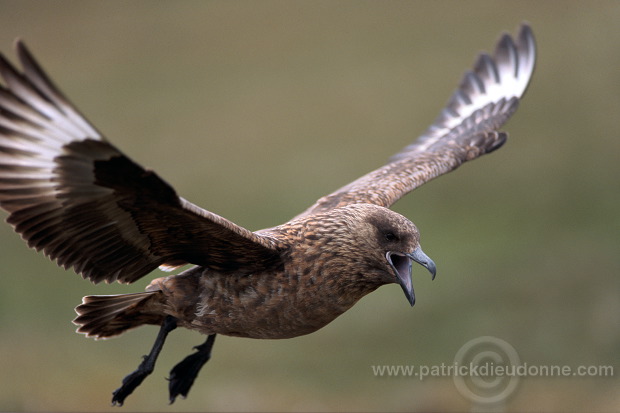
pixel 255 109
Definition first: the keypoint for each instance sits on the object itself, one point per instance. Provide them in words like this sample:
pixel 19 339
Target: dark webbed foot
pixel 134 379
pixel 182 375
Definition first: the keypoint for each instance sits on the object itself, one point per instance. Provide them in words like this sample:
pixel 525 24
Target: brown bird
pixel 73 195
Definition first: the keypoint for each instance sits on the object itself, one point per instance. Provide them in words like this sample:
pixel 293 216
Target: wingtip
pixel 518 53
pixel 18 42
pixel 526 44
pixel 526 40
pixel 23 54
pixel 525 28
pixel 20 47
pixel 526 37
pixel 496 79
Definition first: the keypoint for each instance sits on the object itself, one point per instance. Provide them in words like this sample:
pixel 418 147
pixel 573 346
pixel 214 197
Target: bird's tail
pixel 104 316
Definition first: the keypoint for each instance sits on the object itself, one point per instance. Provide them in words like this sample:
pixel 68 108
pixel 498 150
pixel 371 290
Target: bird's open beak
pixel 402 266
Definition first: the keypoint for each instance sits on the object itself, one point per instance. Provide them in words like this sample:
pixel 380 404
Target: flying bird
pixel 76 197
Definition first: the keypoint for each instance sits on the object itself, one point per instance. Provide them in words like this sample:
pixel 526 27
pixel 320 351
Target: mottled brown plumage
pixel 73 195
pixel 329 262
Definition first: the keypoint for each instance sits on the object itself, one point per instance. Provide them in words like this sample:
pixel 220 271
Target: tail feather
pixel 104 316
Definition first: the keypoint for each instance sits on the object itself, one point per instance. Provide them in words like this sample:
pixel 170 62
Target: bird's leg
pixel 134 379
pixel 182 375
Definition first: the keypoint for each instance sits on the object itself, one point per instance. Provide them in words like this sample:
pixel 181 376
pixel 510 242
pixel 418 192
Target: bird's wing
pixel 466 129
pixel 73 195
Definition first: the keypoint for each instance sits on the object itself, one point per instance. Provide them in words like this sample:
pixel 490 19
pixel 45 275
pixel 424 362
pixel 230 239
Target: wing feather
pixel 77 198
pixel 464 130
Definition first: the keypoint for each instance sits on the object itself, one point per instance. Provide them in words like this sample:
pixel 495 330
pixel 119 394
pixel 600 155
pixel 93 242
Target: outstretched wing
pixel 73 195
pixel 464 130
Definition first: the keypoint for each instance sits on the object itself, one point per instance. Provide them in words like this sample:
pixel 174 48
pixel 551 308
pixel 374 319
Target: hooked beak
pixel 401 263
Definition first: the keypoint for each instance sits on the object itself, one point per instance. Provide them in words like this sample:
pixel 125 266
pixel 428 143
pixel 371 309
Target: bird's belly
pixel 268 320
pixel 257 306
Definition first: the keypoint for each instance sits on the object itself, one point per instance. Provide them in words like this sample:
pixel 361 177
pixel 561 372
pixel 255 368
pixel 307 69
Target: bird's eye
pixel 390 236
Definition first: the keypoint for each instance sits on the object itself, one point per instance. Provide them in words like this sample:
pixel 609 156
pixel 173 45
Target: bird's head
pixel 383 244
pixel 398 240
